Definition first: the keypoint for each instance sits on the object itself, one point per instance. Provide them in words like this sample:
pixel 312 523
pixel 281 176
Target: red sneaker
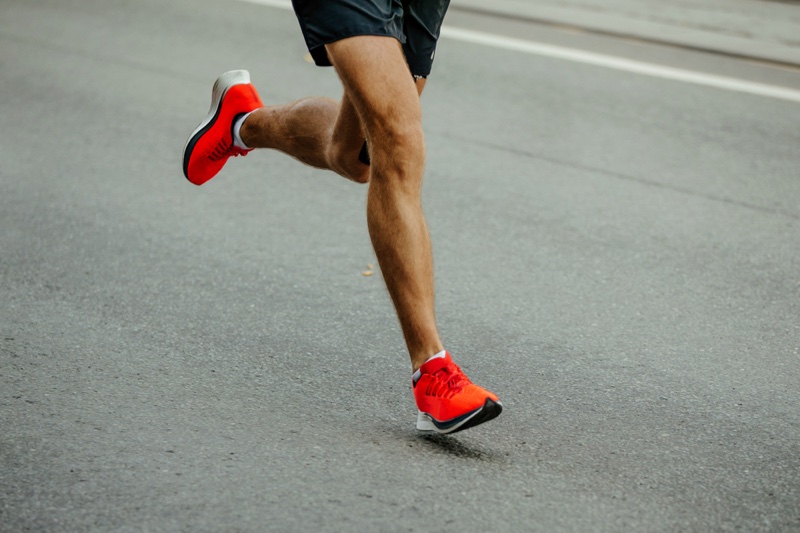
pixel 448 401
pixel 211 143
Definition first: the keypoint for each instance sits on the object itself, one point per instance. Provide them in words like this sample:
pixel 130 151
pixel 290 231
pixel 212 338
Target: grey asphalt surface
pixel 617 257
pixel 760 29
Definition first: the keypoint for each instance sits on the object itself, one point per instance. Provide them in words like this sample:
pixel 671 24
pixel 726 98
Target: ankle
pixel 417 363
pixel 240 137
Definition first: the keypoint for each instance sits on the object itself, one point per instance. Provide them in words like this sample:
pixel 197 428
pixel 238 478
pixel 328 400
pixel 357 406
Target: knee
pixel 358 173
pixel 397 130
pixel 344 161
pixel 398 149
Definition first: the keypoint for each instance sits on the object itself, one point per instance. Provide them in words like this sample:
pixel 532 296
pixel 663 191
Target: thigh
pixel 376 78
pixel 349 134
pixel 422 25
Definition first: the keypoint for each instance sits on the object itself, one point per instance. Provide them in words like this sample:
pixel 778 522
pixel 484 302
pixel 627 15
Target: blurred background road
pixel 764 29
pixel 617 255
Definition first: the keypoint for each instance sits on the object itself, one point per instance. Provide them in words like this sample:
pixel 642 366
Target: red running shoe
pixel 211 143
pixel 448 401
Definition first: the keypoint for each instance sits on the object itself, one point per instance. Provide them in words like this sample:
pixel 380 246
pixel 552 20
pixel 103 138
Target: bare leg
pixel 327 134
pixel 317 131
pixel 377 81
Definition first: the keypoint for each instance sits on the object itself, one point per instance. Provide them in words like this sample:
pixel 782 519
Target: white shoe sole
pixel 486 412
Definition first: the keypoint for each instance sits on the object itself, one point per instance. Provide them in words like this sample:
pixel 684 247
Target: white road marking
pixel 591 58
pixel 283 4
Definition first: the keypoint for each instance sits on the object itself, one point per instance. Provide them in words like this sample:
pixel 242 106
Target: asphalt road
pixel 617 256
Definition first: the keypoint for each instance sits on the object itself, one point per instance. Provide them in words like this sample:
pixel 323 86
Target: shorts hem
pixel 320 54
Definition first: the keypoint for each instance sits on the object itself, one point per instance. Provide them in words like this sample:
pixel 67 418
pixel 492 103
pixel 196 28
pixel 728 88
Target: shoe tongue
pixel 434 365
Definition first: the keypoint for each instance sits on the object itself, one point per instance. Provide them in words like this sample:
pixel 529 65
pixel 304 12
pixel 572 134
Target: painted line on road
pixel 628 65
pixel 601 60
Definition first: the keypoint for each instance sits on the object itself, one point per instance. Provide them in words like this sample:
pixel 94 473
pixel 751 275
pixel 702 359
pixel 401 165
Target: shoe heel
pixel 424 423
pixel 225 82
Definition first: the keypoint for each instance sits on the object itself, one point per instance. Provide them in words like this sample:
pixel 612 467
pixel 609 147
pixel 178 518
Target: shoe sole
pixel 221 88
pixel 488 411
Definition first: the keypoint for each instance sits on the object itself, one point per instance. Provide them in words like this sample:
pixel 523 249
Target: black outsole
pixel 489 411
pixel 187 153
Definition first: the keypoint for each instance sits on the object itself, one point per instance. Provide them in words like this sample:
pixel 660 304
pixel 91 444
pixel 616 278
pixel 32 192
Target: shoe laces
pixel 224 150
pixel 448 381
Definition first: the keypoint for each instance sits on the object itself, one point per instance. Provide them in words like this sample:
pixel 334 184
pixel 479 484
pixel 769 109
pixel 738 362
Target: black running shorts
pixel 415 23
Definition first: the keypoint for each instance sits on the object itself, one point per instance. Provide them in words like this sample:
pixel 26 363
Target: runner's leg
pixel 376 78
pixel 317 131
